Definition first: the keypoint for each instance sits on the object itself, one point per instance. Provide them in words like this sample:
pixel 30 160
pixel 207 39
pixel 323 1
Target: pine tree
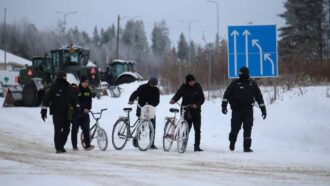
pixel 160 39
pixel 183 48
pixel 301 38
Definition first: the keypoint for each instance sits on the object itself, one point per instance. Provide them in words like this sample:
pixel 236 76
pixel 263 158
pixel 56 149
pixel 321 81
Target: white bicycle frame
pixel 177 123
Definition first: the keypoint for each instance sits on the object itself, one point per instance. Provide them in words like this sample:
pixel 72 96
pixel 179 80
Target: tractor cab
pixel 73 59
pixel 40 67
pixel 121 71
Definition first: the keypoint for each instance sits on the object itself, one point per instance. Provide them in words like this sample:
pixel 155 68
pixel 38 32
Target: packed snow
pixel 291 147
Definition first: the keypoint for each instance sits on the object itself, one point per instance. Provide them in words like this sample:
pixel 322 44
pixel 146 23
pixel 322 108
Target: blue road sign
pixel 255 47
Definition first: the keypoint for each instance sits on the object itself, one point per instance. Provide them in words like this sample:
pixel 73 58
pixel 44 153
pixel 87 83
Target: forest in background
pixel 304 45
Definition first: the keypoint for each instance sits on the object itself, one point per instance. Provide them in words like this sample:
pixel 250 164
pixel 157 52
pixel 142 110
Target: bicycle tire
pixel 101 136
pixel 167 137
pixel 182 138
pixel 121 134
pixel 145 129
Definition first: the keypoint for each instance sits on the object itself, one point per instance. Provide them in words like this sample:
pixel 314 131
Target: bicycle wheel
pixel 145 135
pixel 182 138
pixel 168 136
pixel 82 139
pixel 102 139
pixel 120 134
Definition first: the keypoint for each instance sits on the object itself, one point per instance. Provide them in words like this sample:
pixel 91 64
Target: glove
pixel 224 110
pixel 43 114
pixel 263 112
pixel 172 102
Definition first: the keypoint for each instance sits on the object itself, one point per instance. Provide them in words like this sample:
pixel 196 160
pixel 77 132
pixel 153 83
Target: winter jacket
pixel 190 95
pixel 84 96
pixel 59 97
pixel 242 94
pixel 146 94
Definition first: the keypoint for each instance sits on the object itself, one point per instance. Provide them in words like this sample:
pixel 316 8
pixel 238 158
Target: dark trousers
pixel 153 121
pixel 239 117
pixel 194 119
pixel 61 128
pixel 83 122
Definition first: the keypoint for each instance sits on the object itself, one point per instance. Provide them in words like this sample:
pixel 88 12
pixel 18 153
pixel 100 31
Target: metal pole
pixel 4 40
pixel 189 26
pixel 65 14
pixel 209 77
pixel 275 89
pixel 117 46
pixel 217 18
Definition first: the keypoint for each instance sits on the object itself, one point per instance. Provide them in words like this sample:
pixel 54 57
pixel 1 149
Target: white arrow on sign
pixel 246 33
pixel 268 58
pixel 255 43
pixel 235 34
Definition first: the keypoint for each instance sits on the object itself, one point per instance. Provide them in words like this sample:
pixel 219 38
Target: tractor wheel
pixel 125 79
pixel 30 96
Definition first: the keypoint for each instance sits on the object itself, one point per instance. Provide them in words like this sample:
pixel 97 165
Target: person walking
pixel 147 94
pixel 192 94
pixel 58 98
pixel 81 116
pixel 241 95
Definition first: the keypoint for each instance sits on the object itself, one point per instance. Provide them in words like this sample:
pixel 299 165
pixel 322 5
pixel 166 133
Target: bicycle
pixel 176 130
pixel 97 132
pixel 142 130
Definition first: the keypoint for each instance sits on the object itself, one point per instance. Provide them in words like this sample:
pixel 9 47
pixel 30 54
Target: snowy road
pixel 27 155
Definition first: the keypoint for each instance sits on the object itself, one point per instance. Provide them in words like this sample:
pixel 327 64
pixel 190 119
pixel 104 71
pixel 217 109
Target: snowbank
pixel 291 148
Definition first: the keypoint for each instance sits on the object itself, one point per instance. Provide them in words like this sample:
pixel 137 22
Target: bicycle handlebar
pixel 98 113
pixel 184 107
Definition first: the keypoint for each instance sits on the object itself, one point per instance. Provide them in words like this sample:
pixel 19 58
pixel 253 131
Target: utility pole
pixel 209 76
pixel 4 40
pixel 117 45
pixel 189 26
pixel 65 15
pixel 217 18
pixel 118 27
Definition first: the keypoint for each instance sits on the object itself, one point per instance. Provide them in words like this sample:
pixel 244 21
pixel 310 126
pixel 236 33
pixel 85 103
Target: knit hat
pixel 189 78
pixel 244 70
pixel 153 81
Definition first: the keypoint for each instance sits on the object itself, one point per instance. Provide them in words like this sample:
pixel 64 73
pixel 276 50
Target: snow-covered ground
pixel 291 148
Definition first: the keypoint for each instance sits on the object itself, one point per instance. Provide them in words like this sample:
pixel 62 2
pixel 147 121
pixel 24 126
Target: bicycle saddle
pixel 174 110
pixel 127 109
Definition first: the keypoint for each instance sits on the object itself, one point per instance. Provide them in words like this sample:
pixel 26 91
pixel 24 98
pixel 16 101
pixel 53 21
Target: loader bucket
pixel 13 97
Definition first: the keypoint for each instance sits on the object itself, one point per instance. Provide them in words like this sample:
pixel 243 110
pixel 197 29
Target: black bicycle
pixel 142 130
pixel 97 132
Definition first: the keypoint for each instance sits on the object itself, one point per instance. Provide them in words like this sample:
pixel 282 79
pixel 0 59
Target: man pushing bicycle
pixel 147 94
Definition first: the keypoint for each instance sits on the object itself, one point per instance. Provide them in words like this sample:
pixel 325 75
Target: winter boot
pixel 89 148
pixel 198 149
pixel 247 145
pixel 232 140
pixel 153 147
pixel 135 142
pixel 232 145
pixel 60 151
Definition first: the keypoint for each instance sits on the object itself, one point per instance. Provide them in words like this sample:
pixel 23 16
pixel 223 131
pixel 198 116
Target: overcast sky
pixel 102 13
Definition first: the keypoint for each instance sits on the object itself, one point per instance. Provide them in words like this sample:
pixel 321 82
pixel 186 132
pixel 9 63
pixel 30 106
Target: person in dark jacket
pixel 58 98
pixel 241 95
pixel 192 94
pixel 81 116
pixel 147 94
